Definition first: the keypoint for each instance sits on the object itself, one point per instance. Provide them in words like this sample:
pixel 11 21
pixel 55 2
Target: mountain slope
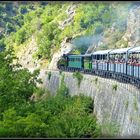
pixel 60 26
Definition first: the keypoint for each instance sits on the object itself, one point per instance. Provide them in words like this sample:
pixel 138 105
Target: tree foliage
pixel 54 116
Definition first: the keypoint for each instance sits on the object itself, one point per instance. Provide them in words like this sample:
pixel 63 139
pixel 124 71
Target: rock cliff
pixel 121 35
pixel 132 34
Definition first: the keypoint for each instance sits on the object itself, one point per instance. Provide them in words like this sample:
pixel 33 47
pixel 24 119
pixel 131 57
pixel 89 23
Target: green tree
pixel 16 84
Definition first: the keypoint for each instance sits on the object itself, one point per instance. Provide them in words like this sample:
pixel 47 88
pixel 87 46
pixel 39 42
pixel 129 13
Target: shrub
pixel 49 75
pixel 78 76
pixel 60 72
pixel 114 87
pixel 109 129
pixel 126 104
pixel 96 81
pixel 135 105
pixel 63 90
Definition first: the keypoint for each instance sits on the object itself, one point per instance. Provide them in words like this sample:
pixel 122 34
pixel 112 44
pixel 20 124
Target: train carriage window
pixel 93 57
pixel 138 57
pixel 104 57
pixel 77 59
pixel 120 58
pixel 112 57
pixel 133 58
pixel 98 57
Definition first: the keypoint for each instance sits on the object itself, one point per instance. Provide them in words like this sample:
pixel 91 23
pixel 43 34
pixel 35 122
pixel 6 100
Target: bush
pixel 63 90
pixel 114 87
pixel 78 76
pixel 109 129
pixel 49 75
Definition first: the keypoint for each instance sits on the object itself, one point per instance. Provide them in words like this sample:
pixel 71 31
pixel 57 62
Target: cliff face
pixel 66 47
pixel 120 107
pixel 121 35
pixel 25 55
pixel 132 34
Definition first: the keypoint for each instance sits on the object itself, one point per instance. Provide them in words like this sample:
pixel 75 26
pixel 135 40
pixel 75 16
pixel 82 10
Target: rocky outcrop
pixel 70 12
pixel 132 34
pixel 120 106
pixel 66 47
pixel 114 37
pixel 26 54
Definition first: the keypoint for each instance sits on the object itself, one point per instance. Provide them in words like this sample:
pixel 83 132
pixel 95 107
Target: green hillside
pixel 43 21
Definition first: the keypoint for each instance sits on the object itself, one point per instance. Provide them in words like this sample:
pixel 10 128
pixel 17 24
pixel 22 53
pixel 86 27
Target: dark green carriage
pixel 75 61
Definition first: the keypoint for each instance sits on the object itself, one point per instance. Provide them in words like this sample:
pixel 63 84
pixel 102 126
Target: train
pixel 121 64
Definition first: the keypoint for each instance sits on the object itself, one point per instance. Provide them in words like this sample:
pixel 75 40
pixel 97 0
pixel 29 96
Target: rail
pixel 122 78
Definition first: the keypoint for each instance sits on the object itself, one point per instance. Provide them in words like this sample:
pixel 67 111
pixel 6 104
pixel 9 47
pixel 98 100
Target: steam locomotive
pixel 121 64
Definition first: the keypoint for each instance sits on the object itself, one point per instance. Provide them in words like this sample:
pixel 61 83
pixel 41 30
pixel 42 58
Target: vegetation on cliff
pixel 21 115
pixel 53 21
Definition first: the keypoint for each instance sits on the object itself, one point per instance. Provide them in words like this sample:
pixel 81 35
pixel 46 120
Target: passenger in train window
pixel 132 60
pixel 112 59
pixel 122 60
pixel 135 60
pixel 116 59
pixel 129 61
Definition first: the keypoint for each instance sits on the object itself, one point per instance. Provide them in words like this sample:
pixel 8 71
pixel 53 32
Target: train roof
pixel 118 51
pixel 110 51
pixel 121 50
pixel 79 55
pixel 102 52
pixel 135 49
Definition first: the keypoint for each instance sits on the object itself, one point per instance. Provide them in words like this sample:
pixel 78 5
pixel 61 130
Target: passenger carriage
pixel 118 60
pixel 100 60
pixel 133 63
